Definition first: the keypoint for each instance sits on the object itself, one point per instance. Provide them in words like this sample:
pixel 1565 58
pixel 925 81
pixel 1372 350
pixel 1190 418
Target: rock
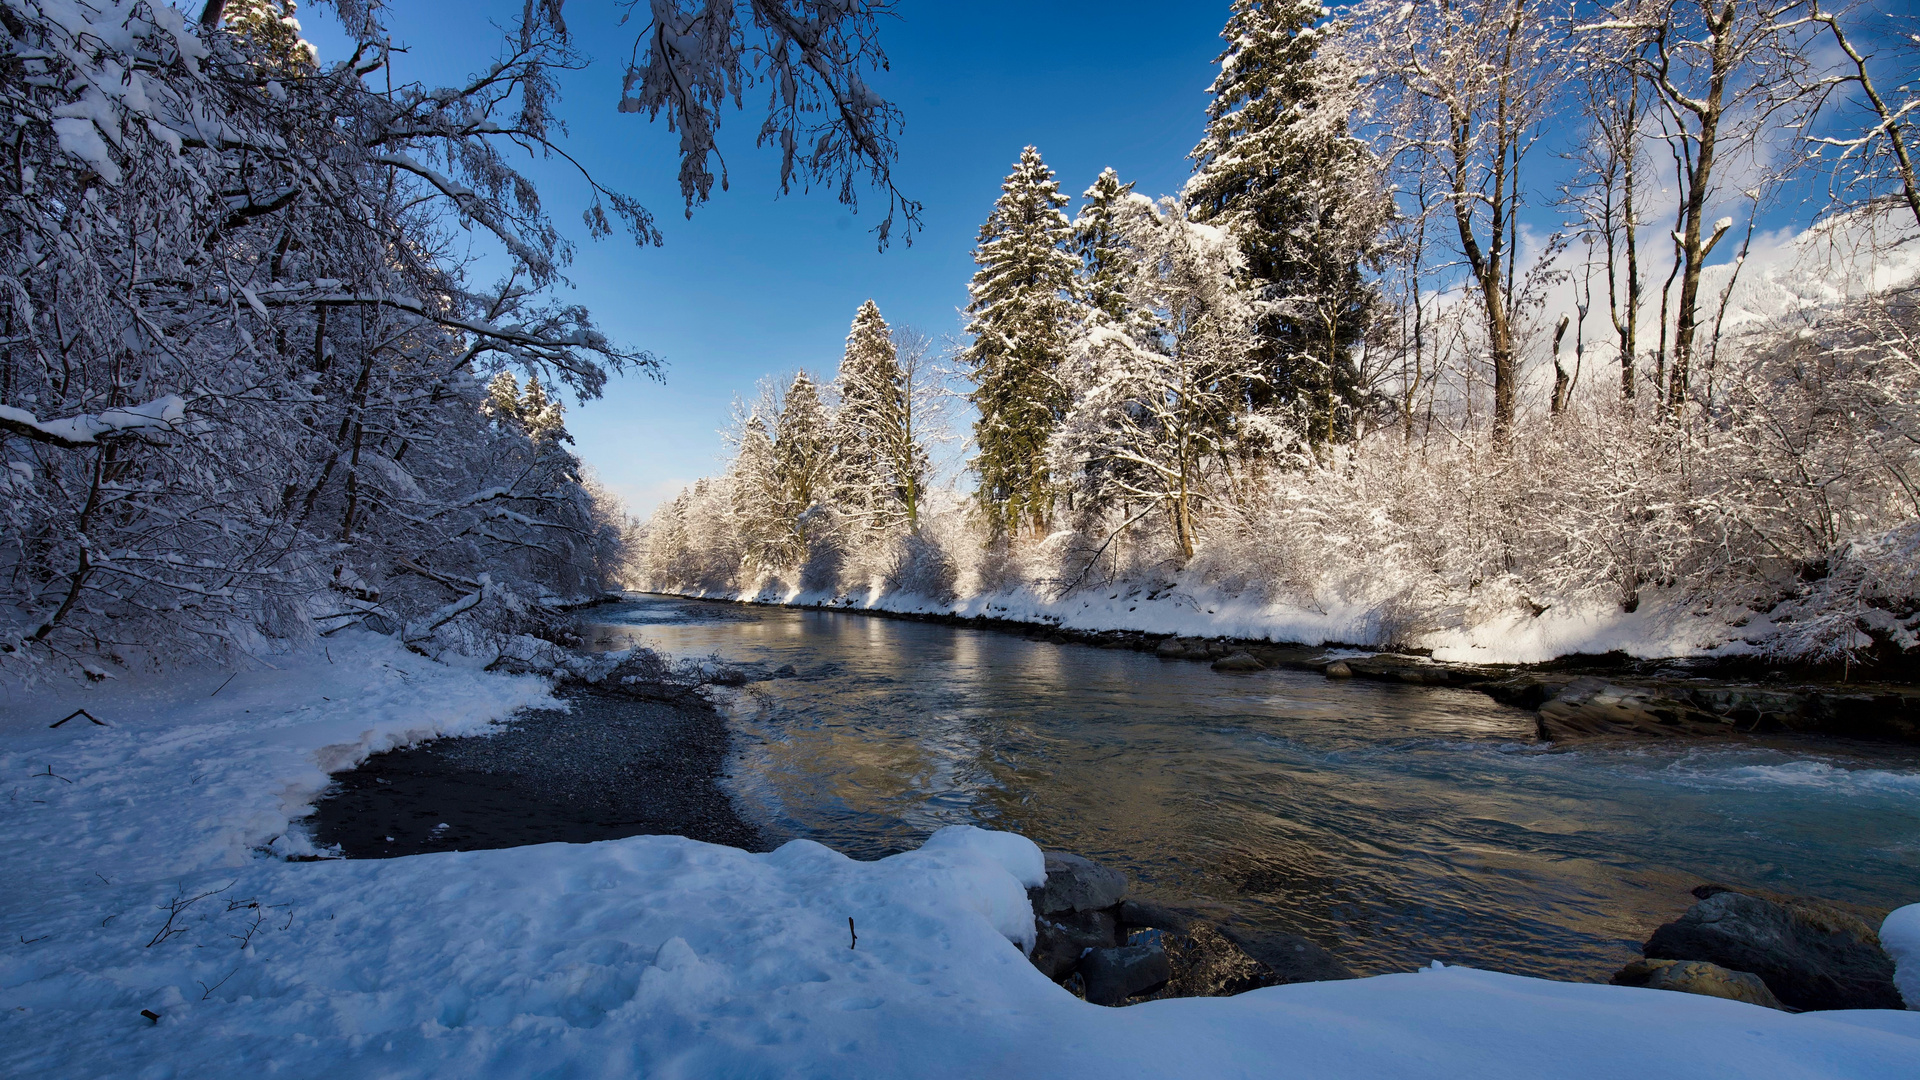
pixel 1144 913
pixel 1077 884
pixel 1054 953
pixel 1697 977
pixel 1116 974
pixel 785 671
pixel 1206 963
pixel 1588 707
pixel 1240 661
pixel 1177 649
pixel 1810 955
pixel 1060 940
pixel 1339 670
pixel 729 676
pixel 1292 958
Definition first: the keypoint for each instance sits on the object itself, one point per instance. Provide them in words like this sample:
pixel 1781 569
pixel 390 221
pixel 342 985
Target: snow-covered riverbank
pixel 650 955
pixel 1653 631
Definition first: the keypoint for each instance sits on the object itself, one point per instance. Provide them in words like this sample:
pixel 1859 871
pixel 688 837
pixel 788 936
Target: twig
pixel 216 986
pixel 25 940
pixel 79 712
pixel 855 938
pixel 223 686
pixel 179 904
pixel 51 773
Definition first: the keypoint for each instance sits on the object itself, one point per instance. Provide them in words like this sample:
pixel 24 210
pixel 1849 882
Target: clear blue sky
pixel 755 284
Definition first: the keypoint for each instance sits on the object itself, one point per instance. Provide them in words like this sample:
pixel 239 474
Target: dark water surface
pixel 1394 824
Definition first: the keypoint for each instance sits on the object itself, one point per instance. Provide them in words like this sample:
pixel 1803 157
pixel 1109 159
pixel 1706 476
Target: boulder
pixel 1060 940
pixel 1116 974
pixel 1174 649
pixel 1339 670
pixel 1292 958
pixel 1206 963
pixel 1589 707
pixel 1697 977
pixel 1146 914
pixel 1812 956
pixel 1077 884
pixel 1239 661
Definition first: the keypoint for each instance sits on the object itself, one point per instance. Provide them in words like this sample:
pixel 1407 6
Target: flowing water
pixel 1394 824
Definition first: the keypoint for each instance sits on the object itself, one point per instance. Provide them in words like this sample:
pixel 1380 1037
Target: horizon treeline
pixel 1467 313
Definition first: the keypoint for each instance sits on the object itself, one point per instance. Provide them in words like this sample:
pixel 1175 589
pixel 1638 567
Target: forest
pixel 1471 315
pixel 283 341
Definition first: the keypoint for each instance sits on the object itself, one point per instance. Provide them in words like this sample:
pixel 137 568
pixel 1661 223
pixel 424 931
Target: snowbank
pixel 1650 632
pixel 652 956
pixel 1900 936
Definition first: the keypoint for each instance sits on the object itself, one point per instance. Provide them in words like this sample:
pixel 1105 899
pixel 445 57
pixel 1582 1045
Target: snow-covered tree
pixel 1105 261
pixel 880 468
pixel 1278 168
pixel 1161 408
pixel 1020 312
pixel 244 366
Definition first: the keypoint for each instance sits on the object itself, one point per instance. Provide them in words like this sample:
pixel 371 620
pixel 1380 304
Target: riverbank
pixel 604 768
pixel 1574 696
pixel 155 924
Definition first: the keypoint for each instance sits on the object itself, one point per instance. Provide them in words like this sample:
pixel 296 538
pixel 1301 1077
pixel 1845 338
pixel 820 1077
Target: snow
pixel 160 414
pixel 653 956
pixel 1203 611
pixel 1900 936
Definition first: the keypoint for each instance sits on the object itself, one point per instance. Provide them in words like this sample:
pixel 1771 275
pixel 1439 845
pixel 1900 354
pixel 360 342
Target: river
pixel 1394 824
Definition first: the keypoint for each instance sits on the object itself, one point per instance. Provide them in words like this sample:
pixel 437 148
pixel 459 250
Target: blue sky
pixel 755 284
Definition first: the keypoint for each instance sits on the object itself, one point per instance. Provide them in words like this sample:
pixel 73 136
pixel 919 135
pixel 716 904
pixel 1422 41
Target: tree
pixel 1161 395
pixel 880 467
pixel 247 381
pixel 1461 93
pixel 1607 193
pixel 1723 74
pixel 1278 168
pixel 1104 260
pixel 1020 310
pixel 803 454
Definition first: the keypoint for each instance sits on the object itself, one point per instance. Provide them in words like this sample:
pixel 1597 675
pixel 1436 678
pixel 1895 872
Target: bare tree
pixel 1462 91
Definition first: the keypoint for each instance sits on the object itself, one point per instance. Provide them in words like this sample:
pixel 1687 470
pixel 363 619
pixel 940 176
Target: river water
pixel 1393 824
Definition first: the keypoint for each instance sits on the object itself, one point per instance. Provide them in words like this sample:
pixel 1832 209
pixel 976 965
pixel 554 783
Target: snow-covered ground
pixel 1653 631
pixel 652 956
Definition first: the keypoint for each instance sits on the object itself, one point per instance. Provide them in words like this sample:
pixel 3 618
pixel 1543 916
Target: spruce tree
pixel 802 449
pixel 759 499
pixel 1105 261
pixel 1278 168
pixel 879 467
pixel 1021 311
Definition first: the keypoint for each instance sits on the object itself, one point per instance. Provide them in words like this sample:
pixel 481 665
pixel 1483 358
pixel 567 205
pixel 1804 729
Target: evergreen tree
pixel 803 457
pixel 1278 167
pixel 1104 258
pixel 542 416
pixel 1021 312
pixel 761 520
pixel 879 466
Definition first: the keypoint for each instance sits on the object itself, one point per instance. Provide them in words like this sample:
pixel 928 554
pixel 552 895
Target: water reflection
pixel 1395 824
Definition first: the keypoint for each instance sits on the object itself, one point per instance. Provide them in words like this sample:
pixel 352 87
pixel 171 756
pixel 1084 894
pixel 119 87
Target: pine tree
pixel 1104 258
pixel 761 520
pixel 879 467
pixel 802 454
pixel 543 417
pixel 503 398
pixel 1021 312
pixel 1279 169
